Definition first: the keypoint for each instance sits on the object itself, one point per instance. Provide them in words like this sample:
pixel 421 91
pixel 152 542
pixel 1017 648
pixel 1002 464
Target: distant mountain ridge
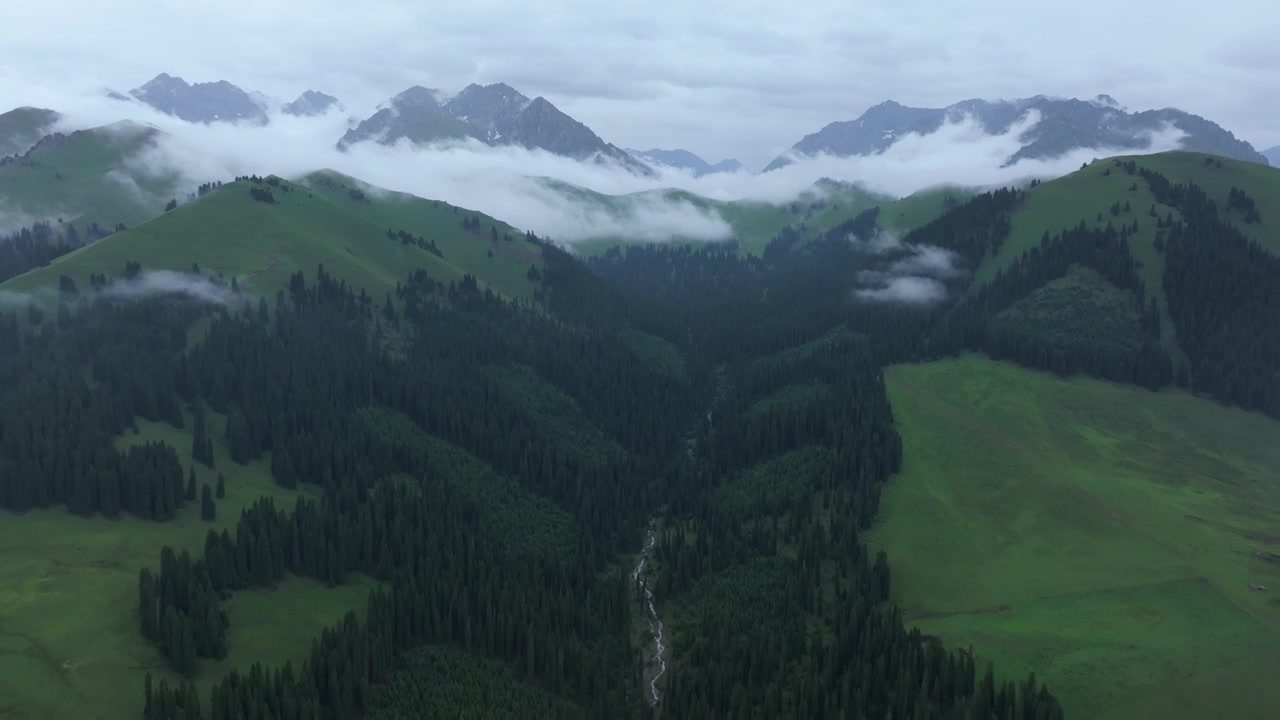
pixel 685 160
pixel 312 103
pixel 23 127
pixel 203 102
pixel 1273 155
pixel 494 114
pixel 1065 125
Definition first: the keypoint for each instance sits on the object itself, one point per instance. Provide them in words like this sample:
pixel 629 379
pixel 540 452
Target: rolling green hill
pixel 259 244
pixel 22 127
pixel 1089 195
pixel 720 430
pixel 86 176
pixel 1106 538
pixel 506 271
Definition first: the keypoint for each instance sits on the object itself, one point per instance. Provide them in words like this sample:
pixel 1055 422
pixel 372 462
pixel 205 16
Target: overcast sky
pixel 740 78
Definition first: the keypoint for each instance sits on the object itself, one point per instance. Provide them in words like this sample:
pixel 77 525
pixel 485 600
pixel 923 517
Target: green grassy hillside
pixel 229 233
pixel 1259 181
pixel 921 207
pixel 1090 194
pixel 20 128
pixel 440 223
pixel 86 176
pixel 1104 537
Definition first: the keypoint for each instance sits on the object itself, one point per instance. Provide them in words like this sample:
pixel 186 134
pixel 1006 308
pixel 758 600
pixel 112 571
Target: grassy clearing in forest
pixel 70 645
pixel 1099 535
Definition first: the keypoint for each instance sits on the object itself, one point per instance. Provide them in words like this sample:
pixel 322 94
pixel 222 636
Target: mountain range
pixel 201 103
pixel 1065 125
pixel 1273 155
pixel 499 115
pixel 685 160
pixel 312 103
pixel 494 114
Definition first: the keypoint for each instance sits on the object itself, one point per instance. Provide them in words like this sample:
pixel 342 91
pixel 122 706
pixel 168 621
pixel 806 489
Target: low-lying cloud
pixel 908 290
pixel 10 299
pixel 167 282
pixel 906 272
pixel 507 182
pixel 13 220
pixel 146 284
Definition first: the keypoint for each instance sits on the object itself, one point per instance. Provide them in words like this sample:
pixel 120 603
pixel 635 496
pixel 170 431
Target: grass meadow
pixel 1104 537
pixel 70 645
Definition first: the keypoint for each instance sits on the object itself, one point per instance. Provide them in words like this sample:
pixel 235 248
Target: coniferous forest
pixel 407 416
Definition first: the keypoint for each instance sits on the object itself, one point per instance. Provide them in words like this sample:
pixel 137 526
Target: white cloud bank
pixel 162 282
pixel 148 283
pixel 913 276
pixel 504 181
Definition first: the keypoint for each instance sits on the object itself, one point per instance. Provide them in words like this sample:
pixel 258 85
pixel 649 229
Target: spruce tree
pixel 208 510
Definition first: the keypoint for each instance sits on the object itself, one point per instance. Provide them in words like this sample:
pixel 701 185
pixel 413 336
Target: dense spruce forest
pixel 37 245
pixel 494 465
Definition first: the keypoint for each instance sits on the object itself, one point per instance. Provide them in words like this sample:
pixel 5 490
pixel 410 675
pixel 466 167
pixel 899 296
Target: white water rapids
pixel 659 659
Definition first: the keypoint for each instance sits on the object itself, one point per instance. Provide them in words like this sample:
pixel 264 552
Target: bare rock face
pixel 311 103
pixel 1065 125
pixel 203 102
pixel 493 114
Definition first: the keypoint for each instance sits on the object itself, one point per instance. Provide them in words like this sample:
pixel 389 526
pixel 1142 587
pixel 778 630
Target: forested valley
pixel 494 465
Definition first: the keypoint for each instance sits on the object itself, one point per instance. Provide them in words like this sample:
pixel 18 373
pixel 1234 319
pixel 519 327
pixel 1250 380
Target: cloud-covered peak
pixel 311 103
pixel 1063 125
pixel 218 101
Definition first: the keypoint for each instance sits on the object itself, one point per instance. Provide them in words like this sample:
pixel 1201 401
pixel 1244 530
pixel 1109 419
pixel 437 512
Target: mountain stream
pixel 656 663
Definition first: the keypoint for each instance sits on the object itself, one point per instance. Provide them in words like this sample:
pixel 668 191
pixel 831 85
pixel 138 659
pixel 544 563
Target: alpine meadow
pixel 433 398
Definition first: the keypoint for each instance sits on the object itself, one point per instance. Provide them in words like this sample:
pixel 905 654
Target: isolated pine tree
pixel 208 510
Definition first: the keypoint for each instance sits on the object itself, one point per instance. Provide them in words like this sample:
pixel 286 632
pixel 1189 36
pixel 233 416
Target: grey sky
pixel 742 78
